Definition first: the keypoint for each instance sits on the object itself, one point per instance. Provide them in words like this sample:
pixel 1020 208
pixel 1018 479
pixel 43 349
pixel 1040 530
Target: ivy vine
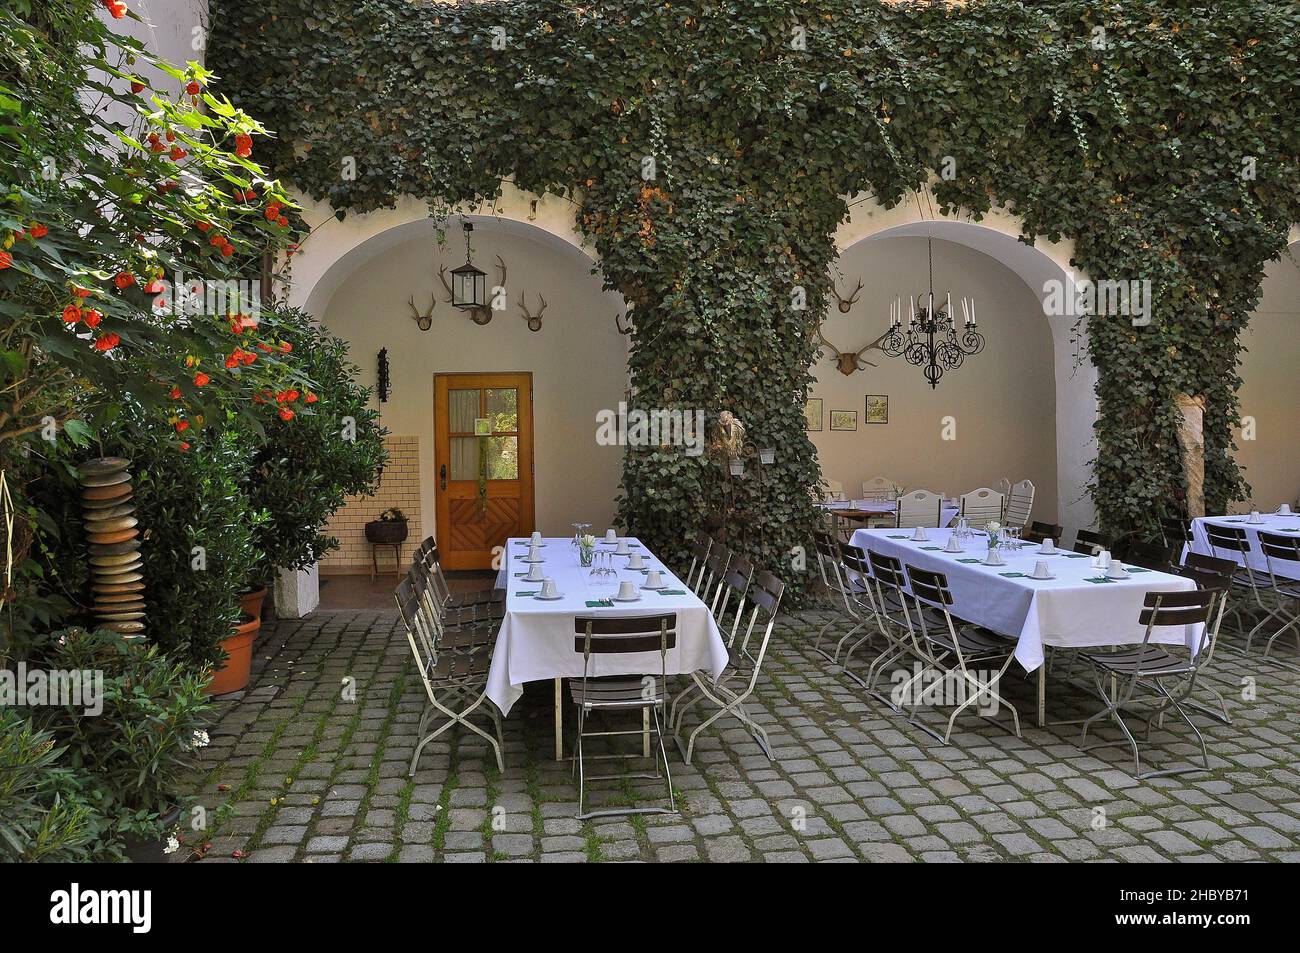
pixel 711 147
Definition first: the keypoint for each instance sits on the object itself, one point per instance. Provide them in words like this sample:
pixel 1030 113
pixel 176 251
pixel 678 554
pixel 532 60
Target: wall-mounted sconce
pixel 382 383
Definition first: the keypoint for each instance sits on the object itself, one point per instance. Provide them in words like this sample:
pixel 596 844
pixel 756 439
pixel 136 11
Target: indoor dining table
pixel 1079 608
pixel 1281 523
pixel 536 640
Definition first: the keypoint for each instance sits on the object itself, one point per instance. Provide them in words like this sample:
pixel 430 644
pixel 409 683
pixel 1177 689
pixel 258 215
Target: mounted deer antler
pixel 446 285
pixel 534 320
pixel 848 362
pixel 846 303
pixel 424 321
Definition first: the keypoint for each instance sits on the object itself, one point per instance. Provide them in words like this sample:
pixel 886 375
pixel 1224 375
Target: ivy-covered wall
pixel 712 145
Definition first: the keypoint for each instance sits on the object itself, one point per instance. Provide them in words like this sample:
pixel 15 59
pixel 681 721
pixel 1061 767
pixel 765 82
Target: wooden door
pixel 483 432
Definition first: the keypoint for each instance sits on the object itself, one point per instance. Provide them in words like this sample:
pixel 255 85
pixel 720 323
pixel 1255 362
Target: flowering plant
pixel 994 529
pixel 586 549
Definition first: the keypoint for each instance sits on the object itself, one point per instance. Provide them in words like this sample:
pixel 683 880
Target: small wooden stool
pixel 397 559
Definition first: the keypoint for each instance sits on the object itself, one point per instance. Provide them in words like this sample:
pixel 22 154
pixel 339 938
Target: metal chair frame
pixel 455 685
pixel 1160 609
pixel 627 635
pixel 763 600
pixel 1236 542
pixel 1276 546
pixel 970 644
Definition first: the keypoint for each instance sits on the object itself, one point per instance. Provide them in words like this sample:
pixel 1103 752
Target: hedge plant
pixel 1161 138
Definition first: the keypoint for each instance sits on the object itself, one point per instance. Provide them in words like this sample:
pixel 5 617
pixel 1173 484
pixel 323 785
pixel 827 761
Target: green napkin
pixel 1074 555
pixel 599 604
pixel 970 560
pixel 1136 569
pixel 897 537
pixel 1289 530
pixel 524 573
pixel 1099 579
pixel 937 549
pixel 671 592
pixel 533 593
pixel 1012 575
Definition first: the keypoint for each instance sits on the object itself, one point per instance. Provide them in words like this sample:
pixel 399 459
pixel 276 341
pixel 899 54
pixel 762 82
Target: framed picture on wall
pixel 844 420
pixel 877 409
pixel 812 414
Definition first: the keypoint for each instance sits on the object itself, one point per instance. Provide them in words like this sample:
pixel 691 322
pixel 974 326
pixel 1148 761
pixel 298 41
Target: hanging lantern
pixel 468 284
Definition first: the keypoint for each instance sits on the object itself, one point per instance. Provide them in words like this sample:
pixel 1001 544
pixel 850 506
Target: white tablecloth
pixel 1272 523
pixel 948 509
pixel 1067 611
pixel 536 638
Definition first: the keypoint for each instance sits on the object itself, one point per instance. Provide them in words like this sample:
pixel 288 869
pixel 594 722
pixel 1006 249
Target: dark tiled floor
pixel 362 592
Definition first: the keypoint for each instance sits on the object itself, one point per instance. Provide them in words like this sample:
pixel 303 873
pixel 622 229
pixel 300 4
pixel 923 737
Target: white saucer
pixel 636 598
pixel 539 559
pixel 1030 575
pixel 662 585
pixel 554 598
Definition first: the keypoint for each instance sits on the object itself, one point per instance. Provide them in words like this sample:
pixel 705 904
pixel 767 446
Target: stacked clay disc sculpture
pixel 108 510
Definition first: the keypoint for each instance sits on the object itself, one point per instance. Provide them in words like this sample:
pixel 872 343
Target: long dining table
pixel 1079 608
pixel 1281 523
pixel 536 639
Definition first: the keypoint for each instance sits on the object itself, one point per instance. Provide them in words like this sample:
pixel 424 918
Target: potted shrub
pixel 134 755
pixel 390 529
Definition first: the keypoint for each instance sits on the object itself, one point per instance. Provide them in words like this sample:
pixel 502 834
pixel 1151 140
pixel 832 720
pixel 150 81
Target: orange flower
pixel 124 279
pixel 38 230
pixel 107 342
pixel 71 314
pixel 311 398
pixel 182 426
pixel 184 445
pixel 286 413
pixel 200 379
pixel 6 260
pixel 91 317
pixel 80 292
pixel 175 393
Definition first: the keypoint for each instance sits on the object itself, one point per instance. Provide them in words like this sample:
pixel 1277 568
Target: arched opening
pixel 577 361
pixel 1270 392
pixel 1037 392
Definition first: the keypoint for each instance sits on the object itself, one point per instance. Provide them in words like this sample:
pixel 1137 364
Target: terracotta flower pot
pixel 250 602
pixel 233 676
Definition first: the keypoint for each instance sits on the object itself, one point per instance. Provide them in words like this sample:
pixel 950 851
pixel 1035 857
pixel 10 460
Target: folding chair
pixel 1232 542
pixel 982 506
pixel 1153 664
pixel 745 662
pixel 1090 543
pixel 1036 532
pixel 608 638
pixel 454 683
pixel 459 608
pixel 1284 549
pixel 833 586
pixel 699 555
pixel 939 639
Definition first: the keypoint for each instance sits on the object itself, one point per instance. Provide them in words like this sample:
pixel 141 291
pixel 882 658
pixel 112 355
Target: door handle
pixel 442 477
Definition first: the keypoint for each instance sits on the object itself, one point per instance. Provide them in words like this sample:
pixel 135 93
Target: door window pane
pixel 502 458
pixel 462 408
pixel 503 409
pixel 464 457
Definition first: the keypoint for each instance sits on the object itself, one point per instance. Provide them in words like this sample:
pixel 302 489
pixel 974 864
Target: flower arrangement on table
pixel 586 549
pixel 994 530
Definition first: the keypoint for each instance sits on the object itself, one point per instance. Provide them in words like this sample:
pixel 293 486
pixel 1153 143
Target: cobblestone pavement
pixel 310 764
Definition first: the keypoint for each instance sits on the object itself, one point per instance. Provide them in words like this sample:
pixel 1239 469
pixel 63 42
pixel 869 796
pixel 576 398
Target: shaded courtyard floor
pixel 310 764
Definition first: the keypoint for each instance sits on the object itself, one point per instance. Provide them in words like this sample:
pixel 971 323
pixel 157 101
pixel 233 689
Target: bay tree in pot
pixel 324 445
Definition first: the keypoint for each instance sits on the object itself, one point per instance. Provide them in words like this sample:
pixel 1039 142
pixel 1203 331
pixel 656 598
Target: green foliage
pixel 303 468
pixel 1123 126
pixel 43 816
pixel 198 544
pixel 133 757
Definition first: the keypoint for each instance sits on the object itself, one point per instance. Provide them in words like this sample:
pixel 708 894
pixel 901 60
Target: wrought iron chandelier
pixel 930 340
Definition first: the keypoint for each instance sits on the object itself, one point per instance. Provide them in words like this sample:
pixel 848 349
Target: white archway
pixel 997 235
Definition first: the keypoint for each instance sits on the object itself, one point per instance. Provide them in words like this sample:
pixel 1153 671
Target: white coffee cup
pixel 1116 570
pixel 622 549
pixel 610 535
pixel 534 551
pixel 1285 509
pixel 1040 569
pixel 1255 517
pixel 548 589
pixel 654 579
pixel 627 590
pixel 534 573
pixel 1048 547
pixel 954 545
pixel 537 536
pixel 918 534
pixel 635 561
